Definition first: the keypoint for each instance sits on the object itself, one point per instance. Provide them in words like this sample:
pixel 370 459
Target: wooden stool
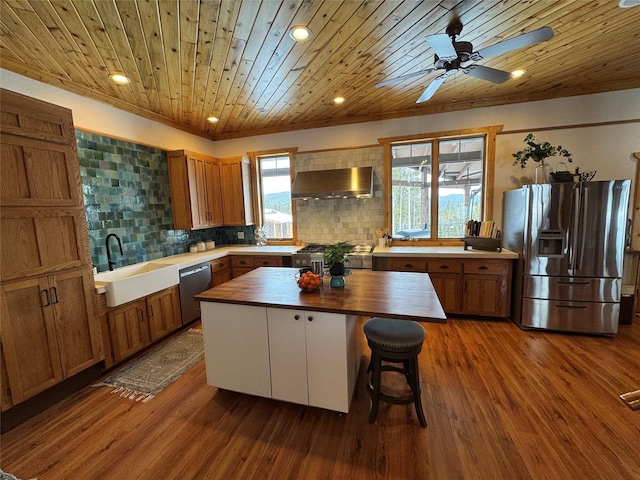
pixel 394 341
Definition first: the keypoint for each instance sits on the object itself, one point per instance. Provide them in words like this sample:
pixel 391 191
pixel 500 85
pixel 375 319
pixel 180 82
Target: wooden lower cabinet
pixel 487 289
pixel 49 331
pixel 128 330
pixel 131 327
pixel 220 271
pixel 464 286
pixel 163 313
pixel 241 264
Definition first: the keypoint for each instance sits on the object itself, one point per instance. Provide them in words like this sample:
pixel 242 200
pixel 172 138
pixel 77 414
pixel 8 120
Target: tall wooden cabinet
pixel 237 195
pixel 195 190
pixel 49 326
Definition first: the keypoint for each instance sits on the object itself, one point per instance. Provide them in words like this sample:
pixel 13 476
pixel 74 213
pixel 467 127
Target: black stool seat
pixel 394 341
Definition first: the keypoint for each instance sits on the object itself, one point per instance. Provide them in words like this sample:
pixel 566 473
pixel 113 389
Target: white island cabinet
pixel 305 357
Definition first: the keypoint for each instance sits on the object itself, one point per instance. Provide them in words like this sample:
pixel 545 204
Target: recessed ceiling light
pixel 338 100
pixel 120 79
pixel 212 119
pixel 518 73
pixel 300 33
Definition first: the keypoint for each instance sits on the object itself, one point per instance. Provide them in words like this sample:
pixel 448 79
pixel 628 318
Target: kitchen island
pixel 264 336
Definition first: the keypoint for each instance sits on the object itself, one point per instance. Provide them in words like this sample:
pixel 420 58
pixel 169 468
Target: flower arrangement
pixel 538 151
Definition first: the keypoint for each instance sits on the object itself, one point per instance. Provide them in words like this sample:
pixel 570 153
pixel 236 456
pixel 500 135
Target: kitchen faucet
pixel 106 242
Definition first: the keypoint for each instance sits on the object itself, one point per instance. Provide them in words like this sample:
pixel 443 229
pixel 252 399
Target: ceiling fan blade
pixel 442 45
pixel 404 77
pixel 487 73
pixel 431 89
pixel 531 38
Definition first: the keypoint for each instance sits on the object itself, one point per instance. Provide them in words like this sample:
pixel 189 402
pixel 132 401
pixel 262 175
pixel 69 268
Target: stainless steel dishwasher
pixel 193 280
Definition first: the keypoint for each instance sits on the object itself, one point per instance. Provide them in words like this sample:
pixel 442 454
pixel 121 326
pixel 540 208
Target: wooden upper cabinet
pixel 237 194
pixel 195 190
pixel 38 162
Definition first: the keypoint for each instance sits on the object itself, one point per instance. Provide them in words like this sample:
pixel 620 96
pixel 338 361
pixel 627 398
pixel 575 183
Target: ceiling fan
pixel 451 56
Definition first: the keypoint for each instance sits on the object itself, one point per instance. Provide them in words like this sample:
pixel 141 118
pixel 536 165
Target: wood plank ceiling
pixel 234 59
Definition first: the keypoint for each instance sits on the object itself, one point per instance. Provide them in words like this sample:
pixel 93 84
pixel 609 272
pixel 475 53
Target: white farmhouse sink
pixel 136 281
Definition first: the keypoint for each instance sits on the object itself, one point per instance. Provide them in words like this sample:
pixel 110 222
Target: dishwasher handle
pixel 193 271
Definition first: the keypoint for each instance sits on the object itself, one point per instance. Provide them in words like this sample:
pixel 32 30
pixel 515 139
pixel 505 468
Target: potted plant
pixel 538 152
pixel 335 256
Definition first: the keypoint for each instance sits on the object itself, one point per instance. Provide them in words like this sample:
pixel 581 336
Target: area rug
pixel 146 377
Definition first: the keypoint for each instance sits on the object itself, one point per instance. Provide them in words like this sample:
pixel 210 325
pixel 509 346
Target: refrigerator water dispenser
pixel 551 243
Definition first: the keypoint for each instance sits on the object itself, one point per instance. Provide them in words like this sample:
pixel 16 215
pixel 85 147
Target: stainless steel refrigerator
pixel 570 238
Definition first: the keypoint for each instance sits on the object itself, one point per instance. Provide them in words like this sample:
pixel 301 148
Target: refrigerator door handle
pixel 574 228
pixel 582 237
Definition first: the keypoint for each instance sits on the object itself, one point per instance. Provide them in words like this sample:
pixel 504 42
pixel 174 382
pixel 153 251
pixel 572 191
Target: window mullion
pixel 435 171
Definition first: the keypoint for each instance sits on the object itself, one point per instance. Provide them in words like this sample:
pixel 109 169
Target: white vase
pixel 542 172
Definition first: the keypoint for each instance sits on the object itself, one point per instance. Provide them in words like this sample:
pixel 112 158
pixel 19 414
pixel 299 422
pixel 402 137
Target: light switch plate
pixel 240 235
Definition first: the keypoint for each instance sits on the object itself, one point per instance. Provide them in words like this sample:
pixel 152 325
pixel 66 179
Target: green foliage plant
pixel 538 151
pixel 337 253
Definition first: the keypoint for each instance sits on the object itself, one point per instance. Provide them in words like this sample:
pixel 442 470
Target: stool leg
pixel 374 389
pixel 415 387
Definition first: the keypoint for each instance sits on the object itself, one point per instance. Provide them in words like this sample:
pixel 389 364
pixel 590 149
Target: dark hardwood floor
pixel 501 403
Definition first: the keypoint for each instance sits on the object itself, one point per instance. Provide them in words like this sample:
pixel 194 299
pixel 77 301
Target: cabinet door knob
pixel 310 318
pixel 297 317
pixel 408 265
pixel 444 267
pixel 483 267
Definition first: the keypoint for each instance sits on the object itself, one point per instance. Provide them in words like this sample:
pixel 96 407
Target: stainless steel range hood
pixel 339 183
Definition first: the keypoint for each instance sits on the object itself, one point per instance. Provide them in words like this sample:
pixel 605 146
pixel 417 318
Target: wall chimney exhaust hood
pixel 339 183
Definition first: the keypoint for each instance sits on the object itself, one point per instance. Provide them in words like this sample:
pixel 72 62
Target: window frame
pixel 488 172
pixel 258 207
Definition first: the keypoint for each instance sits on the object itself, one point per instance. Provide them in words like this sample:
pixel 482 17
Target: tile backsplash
pixel 353 220
pixel 126 191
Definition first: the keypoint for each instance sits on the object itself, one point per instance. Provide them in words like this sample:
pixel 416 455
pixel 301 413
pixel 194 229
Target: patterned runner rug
pixel 144 378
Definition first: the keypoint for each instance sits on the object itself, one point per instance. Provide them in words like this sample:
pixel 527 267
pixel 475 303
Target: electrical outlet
pixel 240 235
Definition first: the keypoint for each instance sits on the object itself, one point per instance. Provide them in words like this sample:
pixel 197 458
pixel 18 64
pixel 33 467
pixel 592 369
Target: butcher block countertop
pixel 400 295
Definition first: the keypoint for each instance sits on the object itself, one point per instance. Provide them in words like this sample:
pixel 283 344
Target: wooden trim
pixel 635 222
pixel 489 134
pixel 566 127
pixel 257 188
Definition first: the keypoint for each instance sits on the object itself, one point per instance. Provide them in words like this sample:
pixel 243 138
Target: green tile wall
pixel 126 192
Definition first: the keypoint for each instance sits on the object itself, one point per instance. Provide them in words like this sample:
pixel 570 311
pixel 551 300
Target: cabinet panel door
pixel 29 337
pixel 236 346
pixel 78 333
pixel 163 312
pixel 197 192
pixel 483 295
pixel 128 329
pixel 41 241
pixel 35 173
pixel 214 194
pixel 329 357
pixel 288 355
pixel 448 287
pixel 220 277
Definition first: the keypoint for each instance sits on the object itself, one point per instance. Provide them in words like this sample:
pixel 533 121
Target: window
pixel 437 183
pixel 277 211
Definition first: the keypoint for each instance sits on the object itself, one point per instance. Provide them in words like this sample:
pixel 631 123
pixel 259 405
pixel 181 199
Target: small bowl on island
pixel 308 281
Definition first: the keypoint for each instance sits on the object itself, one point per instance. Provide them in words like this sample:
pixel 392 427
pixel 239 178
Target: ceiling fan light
pixel 518 73
pixel 212 119
pixel 300 33
pixel 338 100
pixel 120 79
